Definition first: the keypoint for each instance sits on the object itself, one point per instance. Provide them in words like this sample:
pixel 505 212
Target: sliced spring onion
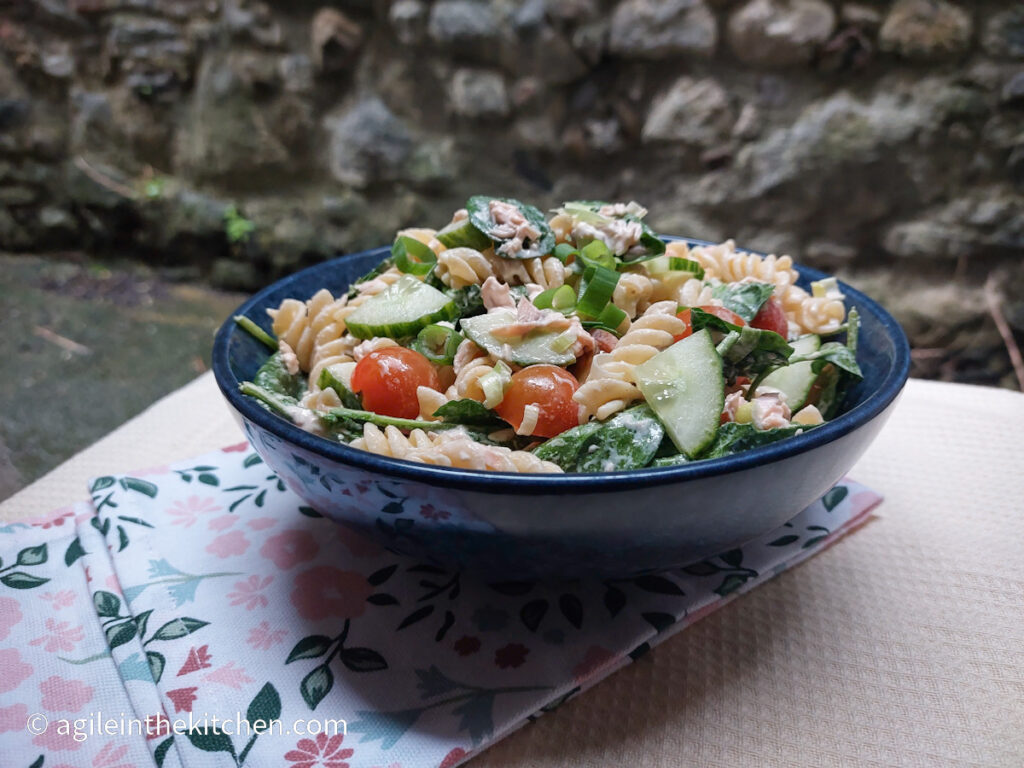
pixel 255 331
pixel 597 288
pixel 611 317
pixel 563 251
pixel 494 383
pixel 438 343
pixel 597 254
pixel 563 342
pixel 826 288
pixel 562 298
pixel 413 257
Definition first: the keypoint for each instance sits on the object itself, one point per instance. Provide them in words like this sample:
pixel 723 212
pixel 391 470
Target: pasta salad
pixel 512 341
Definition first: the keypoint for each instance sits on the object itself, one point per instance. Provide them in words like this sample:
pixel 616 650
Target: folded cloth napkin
pixel 205 589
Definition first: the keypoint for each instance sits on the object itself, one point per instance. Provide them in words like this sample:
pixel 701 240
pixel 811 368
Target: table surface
pixel 901 645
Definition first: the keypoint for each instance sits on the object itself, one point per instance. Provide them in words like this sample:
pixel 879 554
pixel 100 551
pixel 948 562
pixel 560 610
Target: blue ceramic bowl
pixel 528 526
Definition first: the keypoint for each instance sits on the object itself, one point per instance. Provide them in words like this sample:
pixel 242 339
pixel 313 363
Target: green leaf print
pixel 211 740
pixel 22 580
pixel 156 662
pixel 176 628
pixel 119 634
pixel 144 487
pixel 101 484
pixel 362 659
pixel 161 751
pixel 316 685
pixel 265 706
pixel 782 541
pixel 310 647
pixel 107 604
pixel 32 555
pixel 832 499
pixel 73 552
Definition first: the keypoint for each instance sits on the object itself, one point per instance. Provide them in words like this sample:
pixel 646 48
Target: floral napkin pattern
pixel 206 588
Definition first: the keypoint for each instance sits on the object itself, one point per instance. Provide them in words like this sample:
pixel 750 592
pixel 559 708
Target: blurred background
pixel 160 158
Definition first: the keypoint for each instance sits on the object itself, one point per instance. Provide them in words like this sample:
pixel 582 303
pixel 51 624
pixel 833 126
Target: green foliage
pixel 237 227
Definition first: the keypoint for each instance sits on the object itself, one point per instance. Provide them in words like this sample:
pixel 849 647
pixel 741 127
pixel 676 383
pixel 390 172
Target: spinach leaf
pixel 839 355
pixel 628 440
pixel 336 415
pixel 745 299
pixel 468 302
pixel 564 448
pixel 469 412
pixel 751 351
pixel 270 399
pixel 481 218
pixel 735 438
pixel 273 375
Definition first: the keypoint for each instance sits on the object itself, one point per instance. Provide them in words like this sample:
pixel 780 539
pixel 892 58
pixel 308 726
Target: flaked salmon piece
pixel 511 226
pixel 496 295
pixel 769 411
pixel 530 319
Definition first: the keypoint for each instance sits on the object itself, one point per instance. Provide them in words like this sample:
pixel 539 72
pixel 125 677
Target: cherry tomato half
pixel 387 379
pixel 720 312
pixel 771 318
pixel 548 387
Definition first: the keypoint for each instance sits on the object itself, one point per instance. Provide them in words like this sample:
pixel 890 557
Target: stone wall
pixel 235 140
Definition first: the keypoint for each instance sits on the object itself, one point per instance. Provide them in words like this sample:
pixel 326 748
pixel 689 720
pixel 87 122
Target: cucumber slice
pixel 339 378
pixel 401 310
pixel 462 234
pixel 530 350
pixel 795 381
pixel 686 388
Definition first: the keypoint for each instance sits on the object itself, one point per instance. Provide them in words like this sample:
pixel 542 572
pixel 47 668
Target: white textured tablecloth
pixel 902 645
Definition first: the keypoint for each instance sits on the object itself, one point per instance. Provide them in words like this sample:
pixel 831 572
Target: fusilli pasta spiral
pixel 610 385
pixel 448 449
pixel 461 267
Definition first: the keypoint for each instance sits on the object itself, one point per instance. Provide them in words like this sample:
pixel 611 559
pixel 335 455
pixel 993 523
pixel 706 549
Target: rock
pixel 692 111
pixel 367 143
pixel 547 56
pixel 590 40
pixel 433 163
pixel 226 137
pixel 1013 91
pixel 466 23
pixel 478 93
pixel 1004 34
pixel 335 41
pixel 57 61
pixel 986 221
pixel 660 29
pixel 860 15
pixel 538 132
pixel 296 73
pixel 829 253
pixel 748 124
pixel 779 33
pixel 408 18
pixel 926 29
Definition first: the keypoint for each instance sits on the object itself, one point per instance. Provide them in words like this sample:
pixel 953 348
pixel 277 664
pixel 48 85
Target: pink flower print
pixel 262 523
pixel 56 518
pixel 187 512
pixel 512 655
pixel 222 523
pixel 289 548
pixel 356 544
pixel 236 448
pixel 158 469
pixel 324 592
pixel 430 512
pixel 250 592
pixel 60 695
pixel 183 698
pixel 228 544
pixel 595 659
pixel 10 614
pixel 157 726
pixel 263 638
pixel 13 671
pixel 13 718
pixel 198 658
pixel 57 600
pixel 113 584
pixel 325 752
pixel 466 645
pixel 62 637
pixel 229 675
pixel 453 758
pixel 55 739
pixel 110 757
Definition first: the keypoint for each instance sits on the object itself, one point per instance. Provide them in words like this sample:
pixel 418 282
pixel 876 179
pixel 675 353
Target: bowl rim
pixel 540 484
